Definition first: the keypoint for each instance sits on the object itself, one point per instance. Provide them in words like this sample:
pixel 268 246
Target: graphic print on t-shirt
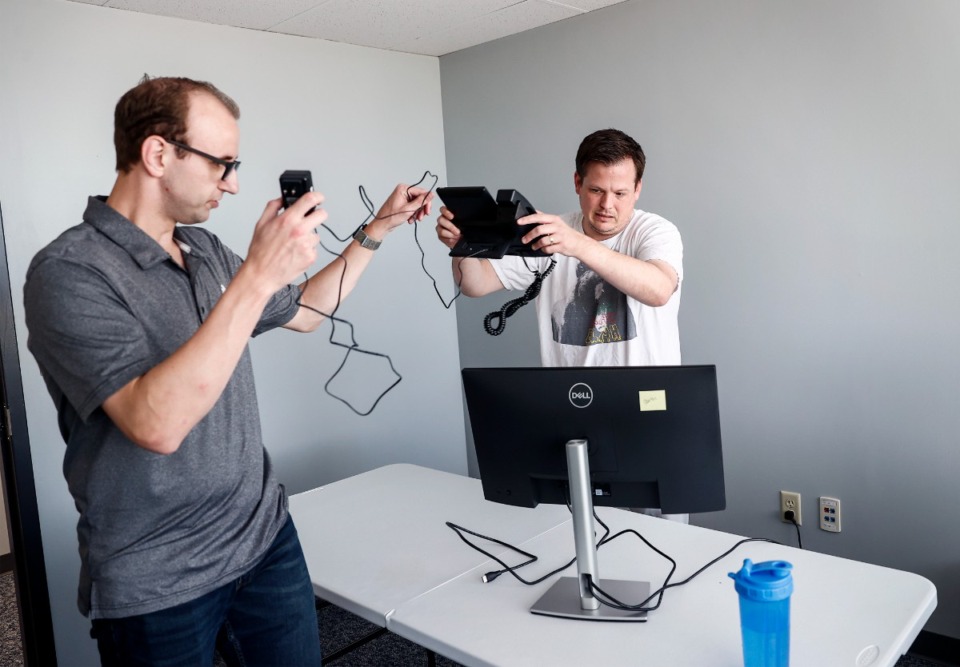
pixel 596 313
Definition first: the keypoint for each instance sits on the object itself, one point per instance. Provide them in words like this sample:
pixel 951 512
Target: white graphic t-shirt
pixel 584 320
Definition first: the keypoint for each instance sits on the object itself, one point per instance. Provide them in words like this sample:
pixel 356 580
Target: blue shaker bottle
pixel 764 590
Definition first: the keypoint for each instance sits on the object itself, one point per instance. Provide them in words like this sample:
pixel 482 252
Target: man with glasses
pixel 139 320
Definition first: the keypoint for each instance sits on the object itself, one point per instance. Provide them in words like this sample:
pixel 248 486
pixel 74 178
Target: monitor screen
pixel 653 434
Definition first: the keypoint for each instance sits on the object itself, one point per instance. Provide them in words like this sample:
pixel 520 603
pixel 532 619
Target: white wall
pixel 808 152
pixel 352 115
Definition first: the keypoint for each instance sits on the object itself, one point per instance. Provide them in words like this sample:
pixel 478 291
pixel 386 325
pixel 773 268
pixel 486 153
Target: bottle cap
pixel 769 581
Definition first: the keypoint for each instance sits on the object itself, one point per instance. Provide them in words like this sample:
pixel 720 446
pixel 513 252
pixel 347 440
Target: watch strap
pixel 364 240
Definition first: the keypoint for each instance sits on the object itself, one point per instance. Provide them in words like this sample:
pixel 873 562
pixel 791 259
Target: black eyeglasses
pixel 228 165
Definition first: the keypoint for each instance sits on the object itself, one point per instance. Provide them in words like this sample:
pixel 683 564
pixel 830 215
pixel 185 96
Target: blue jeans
pixel 266 617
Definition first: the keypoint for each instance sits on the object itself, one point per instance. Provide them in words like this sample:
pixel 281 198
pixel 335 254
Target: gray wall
pixel 352 115
pixel 808 152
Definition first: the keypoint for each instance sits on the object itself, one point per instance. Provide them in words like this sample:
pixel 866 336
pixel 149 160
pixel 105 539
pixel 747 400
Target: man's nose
pixel 231 183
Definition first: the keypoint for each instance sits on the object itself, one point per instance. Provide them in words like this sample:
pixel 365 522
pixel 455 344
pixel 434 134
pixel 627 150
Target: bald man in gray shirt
pixel 139 320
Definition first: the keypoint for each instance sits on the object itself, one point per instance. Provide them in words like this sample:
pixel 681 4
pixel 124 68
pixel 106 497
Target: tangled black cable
pixel 436 288
pixel 511 569
pixel 610 601
pixel 603 597
pixel 353 346
pixel 423 253
pixel 512 306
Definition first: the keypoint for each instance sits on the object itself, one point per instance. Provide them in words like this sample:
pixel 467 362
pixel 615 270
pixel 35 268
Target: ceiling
pixel 426 27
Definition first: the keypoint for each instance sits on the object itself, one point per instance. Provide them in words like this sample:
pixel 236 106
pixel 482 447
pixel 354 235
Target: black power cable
pixel 353 346
pixel 603 597
pixel 511 569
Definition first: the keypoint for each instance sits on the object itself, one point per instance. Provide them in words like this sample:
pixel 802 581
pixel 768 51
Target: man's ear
pixel 153 155
pixel 577 182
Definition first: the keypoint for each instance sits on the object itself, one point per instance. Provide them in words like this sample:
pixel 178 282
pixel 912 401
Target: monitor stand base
pixel 563 599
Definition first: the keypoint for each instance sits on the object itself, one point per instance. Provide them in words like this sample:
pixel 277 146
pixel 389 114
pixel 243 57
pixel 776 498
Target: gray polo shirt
pixel 104 304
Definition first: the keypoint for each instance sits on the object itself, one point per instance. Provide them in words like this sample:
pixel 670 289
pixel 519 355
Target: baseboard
pixel 6 563
pixel 936 647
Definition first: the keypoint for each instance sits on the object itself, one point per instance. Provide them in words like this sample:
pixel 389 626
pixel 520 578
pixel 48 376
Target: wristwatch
pixel 364 240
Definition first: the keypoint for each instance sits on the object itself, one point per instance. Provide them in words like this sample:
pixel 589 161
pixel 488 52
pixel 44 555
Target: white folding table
pixel 377 544
pixel 378 539
pixel 843 612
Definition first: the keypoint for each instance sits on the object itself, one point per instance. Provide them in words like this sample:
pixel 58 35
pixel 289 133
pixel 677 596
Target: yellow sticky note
pixel 653 400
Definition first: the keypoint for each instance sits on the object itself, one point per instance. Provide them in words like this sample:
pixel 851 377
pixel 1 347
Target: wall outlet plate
pixel 790 502
pixel 830 514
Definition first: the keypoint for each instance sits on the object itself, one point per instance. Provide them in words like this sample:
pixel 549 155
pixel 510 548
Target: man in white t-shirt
pixel 613 297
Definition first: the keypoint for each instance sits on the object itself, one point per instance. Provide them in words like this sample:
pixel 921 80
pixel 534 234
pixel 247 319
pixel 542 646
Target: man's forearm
pixel 328 287
pixel 652 283
pixel 158 409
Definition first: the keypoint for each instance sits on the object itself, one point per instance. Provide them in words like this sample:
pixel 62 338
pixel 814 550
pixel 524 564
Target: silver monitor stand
pixel 571 597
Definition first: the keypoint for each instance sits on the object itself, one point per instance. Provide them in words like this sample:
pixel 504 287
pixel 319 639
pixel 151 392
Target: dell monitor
pixel 612 436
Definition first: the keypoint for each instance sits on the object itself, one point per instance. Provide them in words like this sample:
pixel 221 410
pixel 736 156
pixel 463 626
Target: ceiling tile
pixel 586 5
pixel 255 14
pixel 384 23
pixel 428 27
pixel 508 21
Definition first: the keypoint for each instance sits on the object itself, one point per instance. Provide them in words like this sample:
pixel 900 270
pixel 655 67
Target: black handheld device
pixel 511 206
pixel 293 185
pixel 489 226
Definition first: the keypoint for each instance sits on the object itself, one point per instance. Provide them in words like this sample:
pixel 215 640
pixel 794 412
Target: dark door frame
pixel 23 518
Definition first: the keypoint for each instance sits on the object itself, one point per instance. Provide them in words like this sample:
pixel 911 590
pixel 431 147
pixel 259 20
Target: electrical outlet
pixel 830 514
pixel 790 502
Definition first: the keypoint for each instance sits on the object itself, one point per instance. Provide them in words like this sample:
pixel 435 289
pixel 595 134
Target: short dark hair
pixel 159 107
pixel 609 147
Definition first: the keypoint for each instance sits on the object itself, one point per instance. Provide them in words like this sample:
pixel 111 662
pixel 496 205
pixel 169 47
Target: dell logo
pixel 581 395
